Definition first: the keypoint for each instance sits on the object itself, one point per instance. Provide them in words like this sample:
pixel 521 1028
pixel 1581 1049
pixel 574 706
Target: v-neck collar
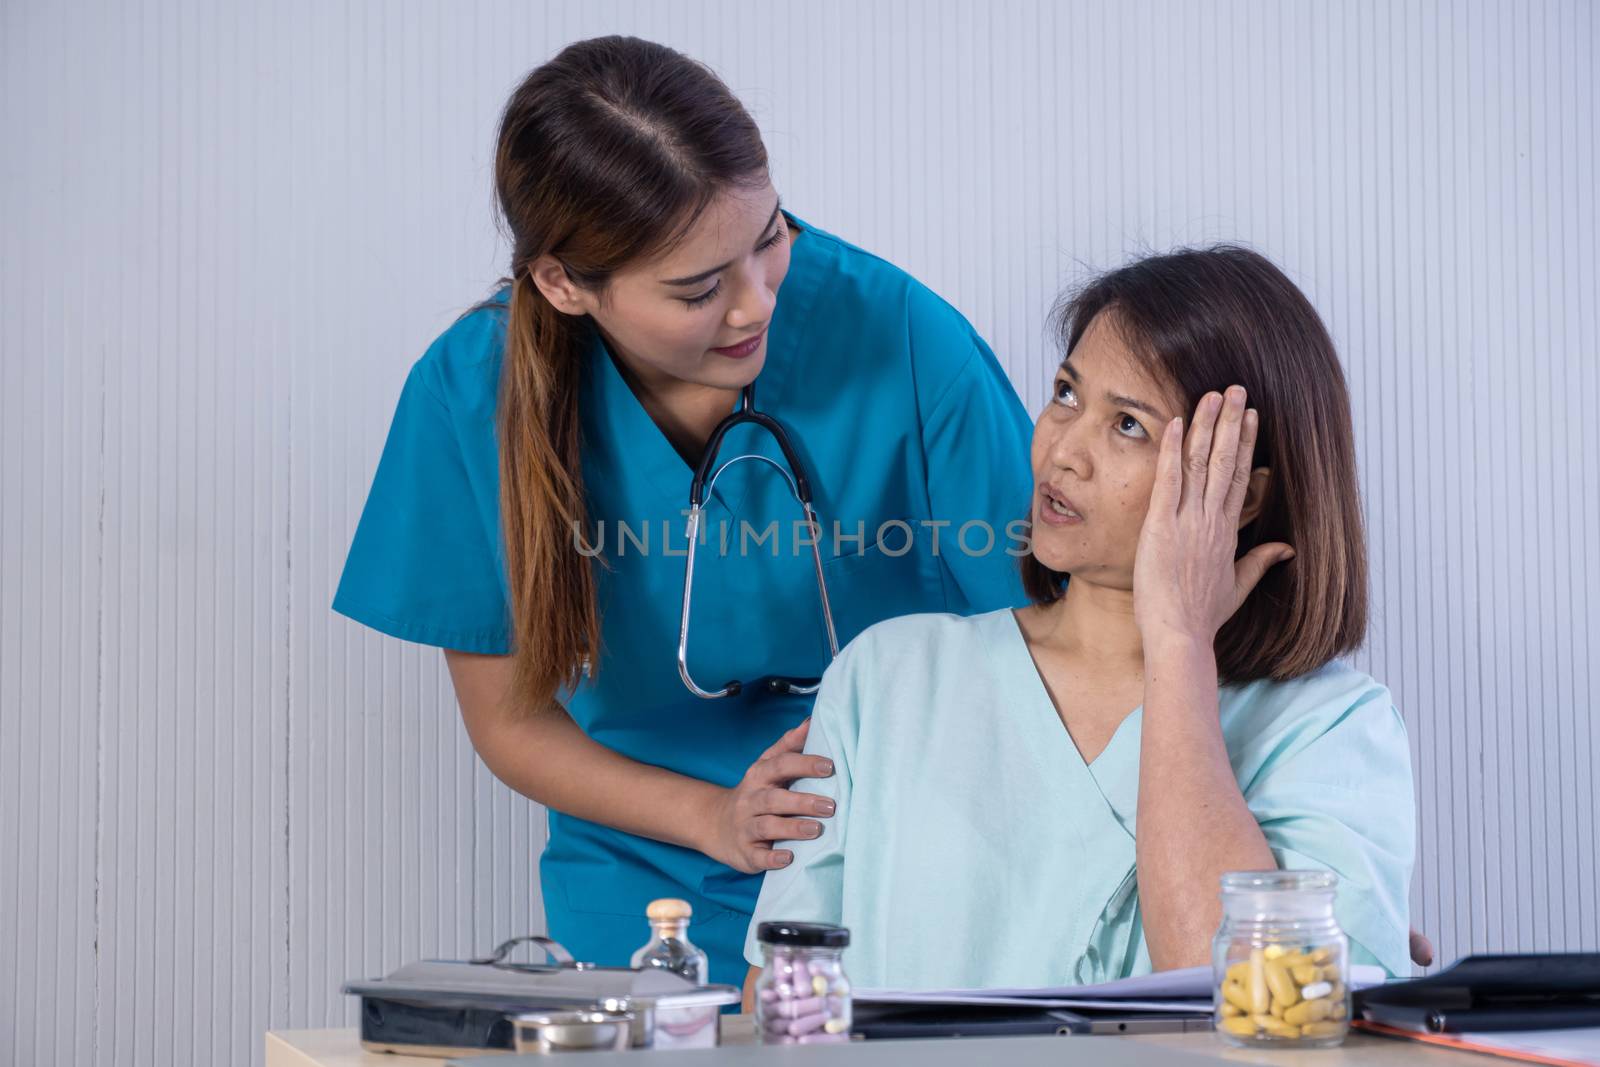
pixel 1104 831
pixel 1013 637
pixel 617 424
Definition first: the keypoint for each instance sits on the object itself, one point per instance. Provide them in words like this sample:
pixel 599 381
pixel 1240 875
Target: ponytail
pixel 553 601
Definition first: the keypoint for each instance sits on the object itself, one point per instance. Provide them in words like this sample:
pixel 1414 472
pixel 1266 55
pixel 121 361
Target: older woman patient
pixel 1048 796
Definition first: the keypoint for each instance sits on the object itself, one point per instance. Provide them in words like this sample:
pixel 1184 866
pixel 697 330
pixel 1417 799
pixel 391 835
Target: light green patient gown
pixel 972 847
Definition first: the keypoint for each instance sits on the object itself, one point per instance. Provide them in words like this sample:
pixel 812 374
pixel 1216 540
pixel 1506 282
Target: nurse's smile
pixel 743 348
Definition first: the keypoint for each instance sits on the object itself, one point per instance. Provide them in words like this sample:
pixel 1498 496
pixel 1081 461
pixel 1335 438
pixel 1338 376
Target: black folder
pixel 1549 991
pixel 890 1021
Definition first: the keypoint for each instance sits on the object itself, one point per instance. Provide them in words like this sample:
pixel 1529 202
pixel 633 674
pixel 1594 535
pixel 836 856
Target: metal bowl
pixel 572 1031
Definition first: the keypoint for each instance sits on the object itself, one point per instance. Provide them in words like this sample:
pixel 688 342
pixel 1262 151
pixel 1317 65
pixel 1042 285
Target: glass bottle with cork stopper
pixel 669 947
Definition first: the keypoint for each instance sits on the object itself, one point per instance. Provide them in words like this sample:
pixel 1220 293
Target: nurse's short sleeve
pixel 422 565
pixel 976 437
pixel 811 889
pixel 1343 802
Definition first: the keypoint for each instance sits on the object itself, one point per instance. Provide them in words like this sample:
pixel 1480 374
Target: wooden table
pixel 342 1048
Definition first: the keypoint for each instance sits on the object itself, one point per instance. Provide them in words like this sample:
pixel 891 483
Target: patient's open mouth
pixel 1056 508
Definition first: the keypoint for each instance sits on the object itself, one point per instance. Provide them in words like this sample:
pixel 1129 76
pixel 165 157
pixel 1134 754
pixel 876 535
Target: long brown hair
pixel 607 154
pixel 1202 320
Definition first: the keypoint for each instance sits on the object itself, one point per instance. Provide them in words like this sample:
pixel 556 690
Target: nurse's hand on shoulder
pixel 1186 581
pixel 761 810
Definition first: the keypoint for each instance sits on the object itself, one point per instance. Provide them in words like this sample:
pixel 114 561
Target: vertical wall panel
pixel 230 229
pixel 50 568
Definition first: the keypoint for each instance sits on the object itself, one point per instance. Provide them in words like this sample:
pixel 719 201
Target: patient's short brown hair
pixel 1202 320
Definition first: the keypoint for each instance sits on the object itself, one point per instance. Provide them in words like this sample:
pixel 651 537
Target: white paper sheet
pixel 1181 1005
pixel 1177 990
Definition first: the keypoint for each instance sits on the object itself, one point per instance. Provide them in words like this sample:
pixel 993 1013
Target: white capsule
pixel 1316 989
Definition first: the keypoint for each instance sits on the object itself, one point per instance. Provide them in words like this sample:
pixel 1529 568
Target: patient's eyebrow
pixel 696 279
pixel 1116 399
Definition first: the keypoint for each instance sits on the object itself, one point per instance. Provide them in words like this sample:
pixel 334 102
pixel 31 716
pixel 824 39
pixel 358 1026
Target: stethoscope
pixel 800 488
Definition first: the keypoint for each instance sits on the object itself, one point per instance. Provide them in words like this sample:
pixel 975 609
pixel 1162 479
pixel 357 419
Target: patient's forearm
pixel 1193 824
pixel 750 980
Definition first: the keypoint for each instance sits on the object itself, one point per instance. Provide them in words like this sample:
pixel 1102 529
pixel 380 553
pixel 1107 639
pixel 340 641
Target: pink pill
pixel 769 994
pixel 794 1009
pixel 808 1024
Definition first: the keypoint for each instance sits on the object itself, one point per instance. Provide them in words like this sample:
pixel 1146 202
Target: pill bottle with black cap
pixel 803 995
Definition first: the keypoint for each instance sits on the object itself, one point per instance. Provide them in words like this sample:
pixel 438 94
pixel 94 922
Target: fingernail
pixel 813 829
pixel 826 807
pixel 826 766
pixel 782 859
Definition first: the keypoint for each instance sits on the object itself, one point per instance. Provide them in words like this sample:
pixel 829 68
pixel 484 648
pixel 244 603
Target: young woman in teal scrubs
pixel 1049 796
pixel 648 246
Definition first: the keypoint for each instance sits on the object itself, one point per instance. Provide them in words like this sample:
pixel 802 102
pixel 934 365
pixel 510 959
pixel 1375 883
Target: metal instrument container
pixel 444 1007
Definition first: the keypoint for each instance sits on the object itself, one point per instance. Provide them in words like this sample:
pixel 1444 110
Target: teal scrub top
pixel 973 848
pixel 900 413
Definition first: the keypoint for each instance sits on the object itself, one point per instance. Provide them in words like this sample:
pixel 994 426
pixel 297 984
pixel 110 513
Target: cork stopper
pixel 669 909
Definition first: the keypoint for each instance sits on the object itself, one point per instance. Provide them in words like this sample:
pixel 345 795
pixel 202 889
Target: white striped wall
pixel 229 228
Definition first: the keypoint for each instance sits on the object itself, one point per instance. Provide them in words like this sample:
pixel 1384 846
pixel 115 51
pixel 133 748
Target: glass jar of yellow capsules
pixel 1281 962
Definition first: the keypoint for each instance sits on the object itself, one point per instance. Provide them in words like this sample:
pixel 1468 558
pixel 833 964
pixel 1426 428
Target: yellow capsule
pixel 1330 973
pixel 1272 952
pixel 1238 1024
pixel 1279 1028
pixel 1304 973
pixel 1322 1029
pixel 1321 955
pixel 1227 1008
pixel 1308 1011
pixel 1281 985
pixel 1233 993
pixel 1338 991
pixel 1294 959
pixel 1263 1019
pixel 1239 972
pixel 1277 1008
pixel 1260 995
pixel 1337 1011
